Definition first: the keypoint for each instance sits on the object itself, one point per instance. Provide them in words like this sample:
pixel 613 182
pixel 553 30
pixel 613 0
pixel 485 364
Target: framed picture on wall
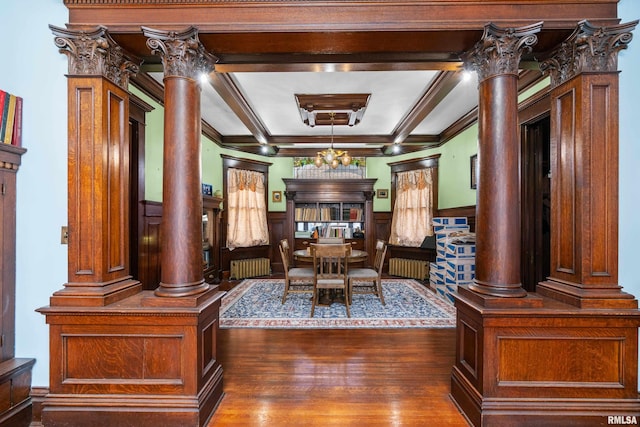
pixel 474 171
pixel 276 196
pixel 382 193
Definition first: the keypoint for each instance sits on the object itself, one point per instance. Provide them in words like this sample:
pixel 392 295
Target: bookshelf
pixel 15 373
pixel 328 220
pixel 331 208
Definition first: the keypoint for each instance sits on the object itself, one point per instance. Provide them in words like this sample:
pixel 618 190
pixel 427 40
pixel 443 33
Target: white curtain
pixel 413 210
pixel 246 209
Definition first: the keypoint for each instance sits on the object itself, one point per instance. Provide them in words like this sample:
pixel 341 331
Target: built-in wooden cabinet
pixel 336 207
pixel 149 265
pixel 15 373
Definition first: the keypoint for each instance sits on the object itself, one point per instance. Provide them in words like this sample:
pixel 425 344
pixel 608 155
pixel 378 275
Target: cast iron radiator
pixel 253 267
pixel 412 268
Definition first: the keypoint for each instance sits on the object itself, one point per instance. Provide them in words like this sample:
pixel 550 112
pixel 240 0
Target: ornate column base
pixel 587 296
pixel 144 361
pixel 553 364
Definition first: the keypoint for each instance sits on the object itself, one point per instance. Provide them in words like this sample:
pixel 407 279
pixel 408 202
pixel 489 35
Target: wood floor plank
pixel 337 377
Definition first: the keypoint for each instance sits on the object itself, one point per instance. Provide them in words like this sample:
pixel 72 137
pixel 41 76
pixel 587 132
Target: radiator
pixel 413 268
pixel 243 268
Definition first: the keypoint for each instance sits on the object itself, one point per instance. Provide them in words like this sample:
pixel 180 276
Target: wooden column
pixel 120 355
pixel 184 60
pixel 557 360
pixel 496 59
pixel 584 169
pixel 98 169
pixel 498 231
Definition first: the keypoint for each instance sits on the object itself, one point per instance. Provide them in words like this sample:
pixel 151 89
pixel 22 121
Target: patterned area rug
pixel 257 303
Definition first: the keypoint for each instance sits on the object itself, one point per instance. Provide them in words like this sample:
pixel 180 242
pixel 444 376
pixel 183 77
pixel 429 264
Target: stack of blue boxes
pixel 455 256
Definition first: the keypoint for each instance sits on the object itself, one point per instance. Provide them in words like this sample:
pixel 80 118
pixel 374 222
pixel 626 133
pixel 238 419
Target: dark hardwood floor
pixel 337 377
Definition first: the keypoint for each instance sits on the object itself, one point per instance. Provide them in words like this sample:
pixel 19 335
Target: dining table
pixel 305 255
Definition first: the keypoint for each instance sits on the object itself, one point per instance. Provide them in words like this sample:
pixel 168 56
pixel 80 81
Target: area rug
pixel 257 303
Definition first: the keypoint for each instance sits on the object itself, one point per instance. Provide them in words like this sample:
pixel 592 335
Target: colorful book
pixel 17 124
pixel 11 115
pixel 3 101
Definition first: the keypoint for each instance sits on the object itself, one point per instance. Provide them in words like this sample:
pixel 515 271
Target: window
pixel 414 199
pixel 245 187
pixel 247 219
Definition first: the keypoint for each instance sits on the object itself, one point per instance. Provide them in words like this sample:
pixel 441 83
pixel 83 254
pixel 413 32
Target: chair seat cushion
pixel 363 273
pixel 303 273
pixel 330 283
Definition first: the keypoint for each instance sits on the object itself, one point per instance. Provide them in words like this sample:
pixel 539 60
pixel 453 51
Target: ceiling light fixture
pixel 332 157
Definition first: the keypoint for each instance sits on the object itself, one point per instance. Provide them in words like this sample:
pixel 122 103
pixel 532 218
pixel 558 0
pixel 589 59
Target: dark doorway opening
pixel 536 203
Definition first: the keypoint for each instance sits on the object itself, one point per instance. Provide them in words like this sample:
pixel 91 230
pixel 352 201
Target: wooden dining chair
pixel 369 280
pixel 331 269
pixel 296 279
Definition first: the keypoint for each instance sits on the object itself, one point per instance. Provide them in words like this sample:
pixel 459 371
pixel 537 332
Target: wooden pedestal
pixel 550 365
pixel 15 384
pixel 143 361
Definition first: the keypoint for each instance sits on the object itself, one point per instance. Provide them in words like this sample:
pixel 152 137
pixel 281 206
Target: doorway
pixel 535 202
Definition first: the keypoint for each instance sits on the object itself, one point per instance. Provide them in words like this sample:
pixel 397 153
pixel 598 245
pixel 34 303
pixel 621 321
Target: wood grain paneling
pixel 587 361
pixel 15 373
pixel 601 263
pixel 149 244
pixel 153 358
pixel 563 140
pixel 584 148
pixel 98 181
pixel 140 357
pixel 117 191
pixel 544 364
pixel 277 231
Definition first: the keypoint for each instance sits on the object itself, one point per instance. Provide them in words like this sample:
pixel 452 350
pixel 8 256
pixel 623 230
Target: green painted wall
pixel 454 175
pixel 454 170
pixel 154 143
pixel 211 156
pixel 281 168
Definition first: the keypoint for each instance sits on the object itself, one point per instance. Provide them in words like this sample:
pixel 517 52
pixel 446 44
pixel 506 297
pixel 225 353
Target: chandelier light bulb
pixel 345 159
pixel 329 156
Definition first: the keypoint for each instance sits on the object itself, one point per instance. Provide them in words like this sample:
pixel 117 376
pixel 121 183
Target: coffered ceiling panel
pixel 393 95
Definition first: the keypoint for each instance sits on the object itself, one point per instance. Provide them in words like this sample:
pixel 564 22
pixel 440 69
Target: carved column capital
pixel 500 49
pixel 368 195
pixel 96 53
pixel 588 49
pixel 290 195
pixel 182 53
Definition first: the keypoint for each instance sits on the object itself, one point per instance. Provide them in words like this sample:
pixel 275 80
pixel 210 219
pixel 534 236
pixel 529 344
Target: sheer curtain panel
pixel 247 210
pixel 413 210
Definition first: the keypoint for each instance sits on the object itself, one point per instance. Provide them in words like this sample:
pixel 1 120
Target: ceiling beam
pixel 264 65
pixel 441 86
pixel 227 89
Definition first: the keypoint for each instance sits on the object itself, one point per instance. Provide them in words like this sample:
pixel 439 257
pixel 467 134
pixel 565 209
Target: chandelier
pixel 332 157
